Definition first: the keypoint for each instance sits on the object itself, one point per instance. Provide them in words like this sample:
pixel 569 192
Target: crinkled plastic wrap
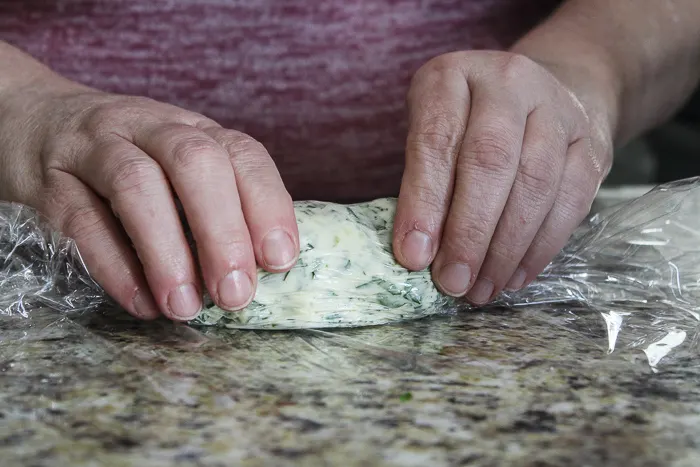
pixel 637 265
pixel 41 268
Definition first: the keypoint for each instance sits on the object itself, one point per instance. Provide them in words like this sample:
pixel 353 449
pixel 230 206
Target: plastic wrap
pixel 41 268
pixel 636 265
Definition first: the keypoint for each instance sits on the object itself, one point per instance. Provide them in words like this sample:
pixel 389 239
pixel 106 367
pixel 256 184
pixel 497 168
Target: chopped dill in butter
pixel 346 276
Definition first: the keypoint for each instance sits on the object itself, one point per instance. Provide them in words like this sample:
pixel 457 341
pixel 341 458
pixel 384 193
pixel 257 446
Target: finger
pixel 267 206
pixel 140 196
pixel 438 110
pixel 533 193
pixel 486 170
pixel 579 186
pixel 82 216
pixel 203 178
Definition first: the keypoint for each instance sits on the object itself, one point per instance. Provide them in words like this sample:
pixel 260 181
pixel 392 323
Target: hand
pixel 502 164
pixel 106 169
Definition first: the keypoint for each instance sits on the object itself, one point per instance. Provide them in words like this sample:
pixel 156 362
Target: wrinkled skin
pixel 106 169
pixel 501 166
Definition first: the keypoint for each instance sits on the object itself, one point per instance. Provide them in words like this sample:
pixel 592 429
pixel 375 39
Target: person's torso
pixel 321 84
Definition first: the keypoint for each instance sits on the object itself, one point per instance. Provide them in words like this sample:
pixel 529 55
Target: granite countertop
pixel 530 387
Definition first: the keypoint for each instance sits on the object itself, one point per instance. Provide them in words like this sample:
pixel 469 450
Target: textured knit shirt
pixel 322 84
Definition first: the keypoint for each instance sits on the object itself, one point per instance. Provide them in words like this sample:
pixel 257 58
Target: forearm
pixel 634 61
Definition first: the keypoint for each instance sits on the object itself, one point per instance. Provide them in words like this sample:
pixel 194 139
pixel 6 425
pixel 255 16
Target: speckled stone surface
pixel 530 387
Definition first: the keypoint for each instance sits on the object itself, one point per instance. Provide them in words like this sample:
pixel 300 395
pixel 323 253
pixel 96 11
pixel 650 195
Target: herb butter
pixel 346 276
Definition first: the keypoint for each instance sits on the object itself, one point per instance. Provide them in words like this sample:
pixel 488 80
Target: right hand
pixel 106 169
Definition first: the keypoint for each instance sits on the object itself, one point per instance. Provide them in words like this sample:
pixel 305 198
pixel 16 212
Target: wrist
pixel 590 74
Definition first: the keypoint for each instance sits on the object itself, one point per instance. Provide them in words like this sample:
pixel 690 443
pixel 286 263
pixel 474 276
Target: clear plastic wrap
pixel 637 265
pixel 41 268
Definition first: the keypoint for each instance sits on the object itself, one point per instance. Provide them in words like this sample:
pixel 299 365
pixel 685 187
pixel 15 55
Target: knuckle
pixel 537 180
pixel 205 124
pixel 477 234
pixel 250 164
pixel 189 150
pixel 577 200
pixel 508 247
pixel 274 196
pixel 228 242
pixel 515 67
pixel 505 253
pixel 437 134
pixel 58 151
pixel 468 242
pixel 262 171
pixel 105 115
pixel 81 222
pixel 429 175
pixel 56 198
pixel 241 145
pixel 134 176
pixel 100 117
pixel 233 239
pixel 425 198
pixel 492 149
pixel 445 63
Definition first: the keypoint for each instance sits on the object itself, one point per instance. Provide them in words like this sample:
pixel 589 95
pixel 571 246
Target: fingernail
pixel 417 247
pixel 144 305
pixel 184 302
pixel 517 280
pixel 454 279
pixel 481 292
pixel 235 290
pixel 278 250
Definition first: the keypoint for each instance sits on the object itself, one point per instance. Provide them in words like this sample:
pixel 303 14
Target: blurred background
pixel 669 152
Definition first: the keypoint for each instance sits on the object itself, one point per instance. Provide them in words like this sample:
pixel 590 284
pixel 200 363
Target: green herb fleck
pixel 405 397
pixel 414 296
pixel 353 214
pixel 264 277
pixel 390 301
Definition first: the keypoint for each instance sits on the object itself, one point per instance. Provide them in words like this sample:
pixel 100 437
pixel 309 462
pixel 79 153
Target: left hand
pixel 502 164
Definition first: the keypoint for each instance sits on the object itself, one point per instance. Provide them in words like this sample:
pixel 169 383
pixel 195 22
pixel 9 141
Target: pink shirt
pixel 321 84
